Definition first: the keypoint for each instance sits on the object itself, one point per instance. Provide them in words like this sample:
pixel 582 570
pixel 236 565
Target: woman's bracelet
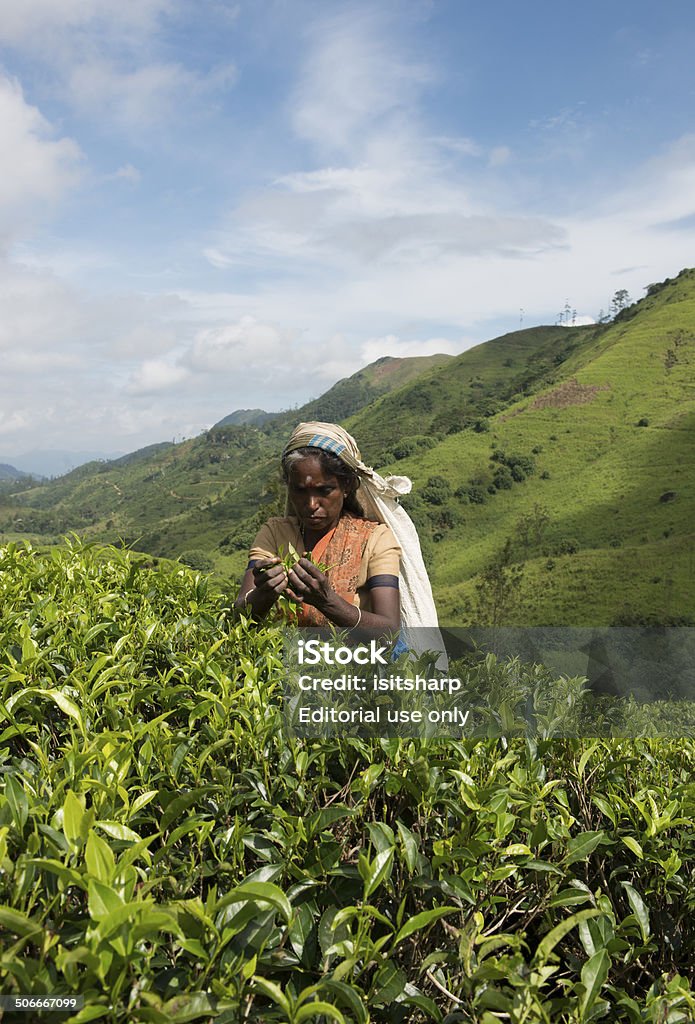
pixel 359 618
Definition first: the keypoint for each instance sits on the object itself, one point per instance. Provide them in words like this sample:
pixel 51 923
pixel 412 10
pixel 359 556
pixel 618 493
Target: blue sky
pixel 217 205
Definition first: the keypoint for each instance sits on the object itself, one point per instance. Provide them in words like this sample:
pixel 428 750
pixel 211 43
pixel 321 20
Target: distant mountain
pixel 8 472
pixel 357 392
pixel 348 395
pixel 142 454
pixel 54 462
pixel 244 416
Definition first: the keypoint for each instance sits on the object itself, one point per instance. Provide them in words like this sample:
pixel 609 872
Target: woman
pixel 347 517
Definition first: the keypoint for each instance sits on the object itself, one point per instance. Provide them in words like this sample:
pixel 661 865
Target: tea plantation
pixel 170 854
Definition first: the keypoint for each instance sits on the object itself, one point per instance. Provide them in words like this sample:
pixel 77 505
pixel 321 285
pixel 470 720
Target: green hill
pixel 363 388
pixel 574 503
pixel 241 416
pixel 468 388
pixel 552 472
pixel 8 472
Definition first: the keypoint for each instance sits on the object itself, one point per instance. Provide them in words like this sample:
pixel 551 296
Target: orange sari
pixel 342 548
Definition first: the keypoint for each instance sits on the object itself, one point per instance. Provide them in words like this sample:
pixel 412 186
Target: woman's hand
pixel 269 577
pixel 307 583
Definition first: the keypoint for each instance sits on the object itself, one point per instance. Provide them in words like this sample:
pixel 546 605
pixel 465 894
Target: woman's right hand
pixel 269 577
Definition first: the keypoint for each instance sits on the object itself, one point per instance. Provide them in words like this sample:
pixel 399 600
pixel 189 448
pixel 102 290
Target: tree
pixel 620 301
pixel 498 588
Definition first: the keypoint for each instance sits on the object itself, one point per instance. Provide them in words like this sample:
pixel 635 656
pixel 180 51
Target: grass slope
pixel 469 387
pixel 604 526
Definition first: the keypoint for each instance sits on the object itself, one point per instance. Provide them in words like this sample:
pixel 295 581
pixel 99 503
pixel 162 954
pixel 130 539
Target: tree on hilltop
pixel 620 301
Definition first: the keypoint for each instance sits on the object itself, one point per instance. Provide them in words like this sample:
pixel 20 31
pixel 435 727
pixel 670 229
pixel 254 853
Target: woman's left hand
pixel 309 584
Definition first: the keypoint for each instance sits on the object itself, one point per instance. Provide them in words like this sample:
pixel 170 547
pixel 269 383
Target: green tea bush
pixel 170 853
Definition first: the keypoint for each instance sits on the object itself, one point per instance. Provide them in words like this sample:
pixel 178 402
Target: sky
pixel 214 205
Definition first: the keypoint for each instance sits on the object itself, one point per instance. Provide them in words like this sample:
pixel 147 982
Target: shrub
pixel 471 494
pixel 404 449
pixel 436 491
pixel 197 559
pixel 503 480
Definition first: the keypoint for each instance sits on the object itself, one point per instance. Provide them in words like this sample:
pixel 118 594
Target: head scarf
pixel 379 498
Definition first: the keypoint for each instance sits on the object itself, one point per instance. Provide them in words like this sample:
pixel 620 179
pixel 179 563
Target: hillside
pixel 240 417
pixel 552 472
pixel 8 472
pixel 363 388
pixel 470 387
pixel 574 503
pixel 348 395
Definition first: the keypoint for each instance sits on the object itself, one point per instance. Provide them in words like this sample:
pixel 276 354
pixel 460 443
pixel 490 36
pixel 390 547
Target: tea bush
pixel 168 852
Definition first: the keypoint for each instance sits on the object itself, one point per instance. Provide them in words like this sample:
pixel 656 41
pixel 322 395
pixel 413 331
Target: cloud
pixel 458 144
pixel 104 58
pixel 55 28
pixel 426 236
pixel 128 173
pixel 569 119
pixel 578 321
pixel 354 80
pixel 155 375
pixel 385 192
pixel 142 98
pixel 390 345
pixel 38 169
pixel 67 357
pixel 352 217
pixel 240 348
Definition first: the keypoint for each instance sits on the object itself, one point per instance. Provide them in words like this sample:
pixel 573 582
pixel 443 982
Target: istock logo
pixel 315 652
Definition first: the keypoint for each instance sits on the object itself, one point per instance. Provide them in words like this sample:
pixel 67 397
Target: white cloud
pixel 578 321
pixel 104 56
pixel 349 217
pixel 390 345
pixel 458 144
pixel 54 26
pixel 144 97
pixel 155 375
pixel 38 169
pixel 14 422
pixel 128 173
pixel 37 310
pixel 240 348
pixel 353 81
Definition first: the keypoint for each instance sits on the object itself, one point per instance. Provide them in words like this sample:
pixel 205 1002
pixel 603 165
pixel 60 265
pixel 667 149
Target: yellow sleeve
pixel 265 544
pixel 384 553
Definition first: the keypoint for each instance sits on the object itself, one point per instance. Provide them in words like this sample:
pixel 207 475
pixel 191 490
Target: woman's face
pixel 317 497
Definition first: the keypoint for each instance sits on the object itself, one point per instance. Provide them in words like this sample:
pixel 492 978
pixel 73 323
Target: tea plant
pixel 170 853
pixel 288 606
